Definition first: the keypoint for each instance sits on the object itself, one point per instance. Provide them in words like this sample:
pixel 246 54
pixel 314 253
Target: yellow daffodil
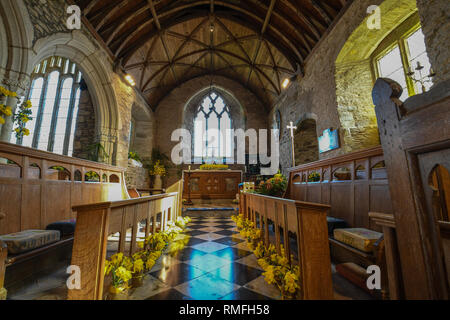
pixel 138 266
pixel 2 120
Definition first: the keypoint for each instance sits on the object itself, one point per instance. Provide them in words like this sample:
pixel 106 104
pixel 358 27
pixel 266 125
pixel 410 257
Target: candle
pixel 189 168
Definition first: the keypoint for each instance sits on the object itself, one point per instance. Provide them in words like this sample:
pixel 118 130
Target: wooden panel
pixel 341 201
pixel 95 222
pixel 34 201
pixel 308 222
pixel 410 133
pixel 10 199
pixel 351 200
pixel 31 207
pixel 212 184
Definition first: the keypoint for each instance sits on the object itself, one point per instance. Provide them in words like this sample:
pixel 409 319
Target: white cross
pixel 292 128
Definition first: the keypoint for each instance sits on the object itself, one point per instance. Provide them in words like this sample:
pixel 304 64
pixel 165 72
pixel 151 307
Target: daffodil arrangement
pixel 22 117
pixel 158 169
pixel 119 267
pixel 5 111
pixel 123 268
pixel 278 270
pixel 214 167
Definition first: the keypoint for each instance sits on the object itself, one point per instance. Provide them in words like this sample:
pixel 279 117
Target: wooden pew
pixel 308 222
pixel 415 136
pixel 353 185
pixel 393 273
pixel 96 222
pixel 33 195
pixel 3 255
pixel 38 188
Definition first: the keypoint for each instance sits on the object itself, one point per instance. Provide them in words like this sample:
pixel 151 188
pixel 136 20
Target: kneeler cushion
pixel 359 238
pixel 66 227
pixel 353 273
pixel 24 241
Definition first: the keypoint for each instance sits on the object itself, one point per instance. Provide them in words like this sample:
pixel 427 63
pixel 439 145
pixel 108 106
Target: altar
pixel 211 184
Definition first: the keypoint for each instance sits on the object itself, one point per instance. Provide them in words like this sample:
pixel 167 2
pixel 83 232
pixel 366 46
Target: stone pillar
pixel 7 128
pixel 108 139
pixel 435 20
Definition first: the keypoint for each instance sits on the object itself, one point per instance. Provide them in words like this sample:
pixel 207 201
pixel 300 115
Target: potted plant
pixel 314 177
pixel 137 272
pixel 158 171
pixel 275 187
pixel 119 268
pixel 134 160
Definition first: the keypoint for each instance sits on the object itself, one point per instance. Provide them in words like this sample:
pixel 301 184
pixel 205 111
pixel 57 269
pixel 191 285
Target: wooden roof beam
pixel 321 10
pixel 161 36
pixel 263 30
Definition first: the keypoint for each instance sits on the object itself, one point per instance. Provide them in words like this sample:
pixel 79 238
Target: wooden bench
pixel 38 188
pixel 96 222
pixel 307 221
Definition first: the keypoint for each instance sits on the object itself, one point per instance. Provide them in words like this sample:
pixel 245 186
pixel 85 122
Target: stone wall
pixel 346 103
pixel 137 178
pixel 358 122
pixel 306 143
pixel 85 127
pixel 435 19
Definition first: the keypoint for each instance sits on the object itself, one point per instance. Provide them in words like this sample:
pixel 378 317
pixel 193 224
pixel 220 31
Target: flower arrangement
pixel 275 186
pixel 5 111
pixel 125 269
pixel 158 169
pixel 278 270
pixel 214 167
pixel 119 267
pixel 92 176
pixel 21 118
pixel 314 177
pixel 134 156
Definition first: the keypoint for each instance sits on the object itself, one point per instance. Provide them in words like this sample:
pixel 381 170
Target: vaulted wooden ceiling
pixel 163 43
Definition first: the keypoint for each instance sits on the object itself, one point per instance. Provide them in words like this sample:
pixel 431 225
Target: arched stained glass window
pixel 55 96
pixel 213 138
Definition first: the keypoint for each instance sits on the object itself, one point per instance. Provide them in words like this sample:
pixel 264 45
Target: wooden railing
pixel 96 222
pixel 309 224
pixel 353 185
pixel 38 188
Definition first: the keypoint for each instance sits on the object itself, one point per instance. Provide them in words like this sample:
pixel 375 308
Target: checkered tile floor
pixel 214 265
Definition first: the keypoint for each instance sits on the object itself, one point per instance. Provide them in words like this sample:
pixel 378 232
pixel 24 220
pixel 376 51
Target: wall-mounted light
pixel 285 83
pixel 211 27
pixel 130 80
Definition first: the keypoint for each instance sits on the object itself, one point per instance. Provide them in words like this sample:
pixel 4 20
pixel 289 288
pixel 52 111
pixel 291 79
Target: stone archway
pixel 306 142
pixel 98 76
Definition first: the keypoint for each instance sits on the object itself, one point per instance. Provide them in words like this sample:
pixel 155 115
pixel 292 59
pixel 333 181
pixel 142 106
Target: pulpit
pixel 211 184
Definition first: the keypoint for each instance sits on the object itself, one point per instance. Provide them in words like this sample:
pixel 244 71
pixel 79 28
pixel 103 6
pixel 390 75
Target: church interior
pixel 224 150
